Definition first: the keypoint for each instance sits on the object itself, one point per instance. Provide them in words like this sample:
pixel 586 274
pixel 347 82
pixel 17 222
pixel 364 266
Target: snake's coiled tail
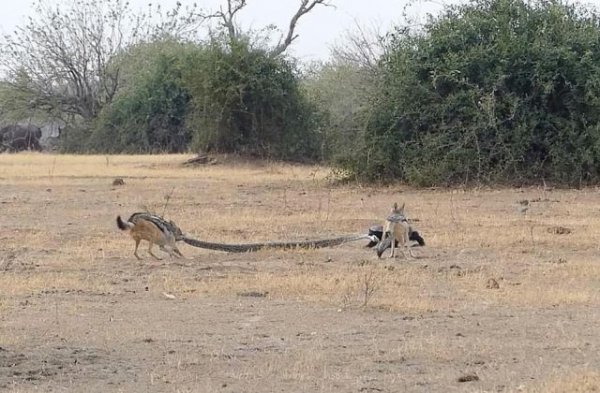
pixel 250 247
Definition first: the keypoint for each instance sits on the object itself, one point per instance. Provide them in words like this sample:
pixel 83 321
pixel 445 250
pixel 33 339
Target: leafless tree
pixel 226 16
pixel 361 47
pixel 305 7
pixel 64 58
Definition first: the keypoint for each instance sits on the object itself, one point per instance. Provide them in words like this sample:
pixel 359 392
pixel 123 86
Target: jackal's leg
pixel 393 246
pixel 404 248
pixel 177 252
pixel 385 235
pixel 409 248
pixel 407 244
pixel 173 251
pixel 402 244
pixel 165 249
pixel 137 244
pixel 150 251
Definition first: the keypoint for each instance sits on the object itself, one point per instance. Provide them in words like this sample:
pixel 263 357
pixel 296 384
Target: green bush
pixel 246 101
pixel 222 97
pixel 491 91
pixel 148 114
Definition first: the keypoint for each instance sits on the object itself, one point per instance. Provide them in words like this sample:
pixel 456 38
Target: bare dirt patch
pixel 495 302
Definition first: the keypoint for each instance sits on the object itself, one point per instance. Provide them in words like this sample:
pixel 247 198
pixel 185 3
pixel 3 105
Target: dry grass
pixel 58 237
pixel 411 290
pixel 32 167
pixel 479 231
pixel 581 381
pixel 12 284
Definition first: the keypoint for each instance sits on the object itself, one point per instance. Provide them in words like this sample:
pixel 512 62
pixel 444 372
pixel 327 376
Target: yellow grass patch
pixel 12 284
pixel 33 167
pixel 579 381
pixel 408 289
pixel 59 213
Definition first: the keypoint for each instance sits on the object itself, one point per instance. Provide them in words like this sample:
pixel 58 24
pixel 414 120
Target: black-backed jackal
pixel 397 228
pixel 155 230
pixel 376 234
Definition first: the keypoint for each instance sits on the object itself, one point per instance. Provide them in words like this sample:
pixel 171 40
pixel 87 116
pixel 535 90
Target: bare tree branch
pixel 305 7
pixel 362 47
pixel 228 17
pixel 227 21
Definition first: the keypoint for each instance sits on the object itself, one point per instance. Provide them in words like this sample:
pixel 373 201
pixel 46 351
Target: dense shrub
pixel 148 114
pixel 495 90
pixel 222 97
pixel 245 100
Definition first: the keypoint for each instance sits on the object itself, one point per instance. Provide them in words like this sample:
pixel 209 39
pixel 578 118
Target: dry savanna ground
pixel 499 300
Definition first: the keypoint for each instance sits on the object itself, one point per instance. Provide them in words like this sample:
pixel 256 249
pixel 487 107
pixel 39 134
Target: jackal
pixel 397 228
pixel 154 229
pixel 376 234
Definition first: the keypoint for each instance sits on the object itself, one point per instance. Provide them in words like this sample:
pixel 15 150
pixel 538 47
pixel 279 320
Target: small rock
pixel 559 261
pixel 492 284
pixel 558 230
pixel 118 181
pixel 522 209
pixel 168 296
pixel 468 378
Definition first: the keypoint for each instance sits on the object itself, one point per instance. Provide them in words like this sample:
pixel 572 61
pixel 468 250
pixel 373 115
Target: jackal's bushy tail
pixel 123 225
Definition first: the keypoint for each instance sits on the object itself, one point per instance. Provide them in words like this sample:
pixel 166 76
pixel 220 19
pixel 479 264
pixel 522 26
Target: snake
pixel 287 245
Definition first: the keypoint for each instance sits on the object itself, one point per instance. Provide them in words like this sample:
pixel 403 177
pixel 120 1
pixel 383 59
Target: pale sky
pixel 318 30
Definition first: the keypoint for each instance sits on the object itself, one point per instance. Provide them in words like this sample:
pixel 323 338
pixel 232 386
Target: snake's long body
pixel 250 247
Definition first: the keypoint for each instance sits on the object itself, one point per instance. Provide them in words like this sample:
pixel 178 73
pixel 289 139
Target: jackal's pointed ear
pixel 402 208
pixel 395 207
